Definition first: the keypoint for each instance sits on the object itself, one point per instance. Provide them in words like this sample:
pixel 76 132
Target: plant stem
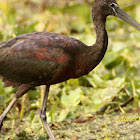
pixel 134 89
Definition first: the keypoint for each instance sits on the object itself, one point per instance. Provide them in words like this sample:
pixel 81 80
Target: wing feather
pixel 35 58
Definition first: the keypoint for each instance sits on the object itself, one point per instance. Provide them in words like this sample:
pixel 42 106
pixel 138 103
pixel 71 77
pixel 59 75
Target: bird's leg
pixel 7 110
pixel 21 91
pixel 43 114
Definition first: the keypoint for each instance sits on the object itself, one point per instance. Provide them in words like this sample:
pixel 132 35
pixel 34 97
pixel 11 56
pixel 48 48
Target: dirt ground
pixel 101 127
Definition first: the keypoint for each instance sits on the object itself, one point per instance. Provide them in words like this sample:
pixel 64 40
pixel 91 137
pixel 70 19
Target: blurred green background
pixel 118 75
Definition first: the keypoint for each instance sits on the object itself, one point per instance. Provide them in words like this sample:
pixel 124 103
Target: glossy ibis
pixel 44 58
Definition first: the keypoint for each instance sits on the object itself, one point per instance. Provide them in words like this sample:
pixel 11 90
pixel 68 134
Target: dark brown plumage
pixel 44 58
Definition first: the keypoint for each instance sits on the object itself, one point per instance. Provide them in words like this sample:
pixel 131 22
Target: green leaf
pixel 53 109
pixel 2 91
pixel 109 56
pixel 31 115
pixel 33 94
pixel 91 82
pixel 107 76
pixel 73 83
pixel 98 81
pixel 114 63
pixel 137 83
pixel 63 115
pixel 131 74
pixel 73 99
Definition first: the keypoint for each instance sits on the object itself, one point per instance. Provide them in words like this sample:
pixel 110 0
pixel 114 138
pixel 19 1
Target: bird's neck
pixel 97 51
pixel 101 34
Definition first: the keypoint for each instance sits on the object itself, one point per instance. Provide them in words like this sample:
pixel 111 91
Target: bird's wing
pixel 36 59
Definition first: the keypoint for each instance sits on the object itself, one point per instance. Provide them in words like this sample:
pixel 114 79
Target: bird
pixel 45 58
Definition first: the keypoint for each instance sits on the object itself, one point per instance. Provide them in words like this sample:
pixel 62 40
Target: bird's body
pixel 44 58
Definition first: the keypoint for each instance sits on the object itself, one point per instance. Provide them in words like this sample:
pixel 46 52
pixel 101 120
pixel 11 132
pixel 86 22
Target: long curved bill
pixel 124 16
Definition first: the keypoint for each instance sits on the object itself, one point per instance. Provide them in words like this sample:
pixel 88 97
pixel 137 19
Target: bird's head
pixel 105 8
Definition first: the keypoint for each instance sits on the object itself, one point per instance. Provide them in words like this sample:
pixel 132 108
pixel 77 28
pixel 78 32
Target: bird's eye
pixel 112 4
